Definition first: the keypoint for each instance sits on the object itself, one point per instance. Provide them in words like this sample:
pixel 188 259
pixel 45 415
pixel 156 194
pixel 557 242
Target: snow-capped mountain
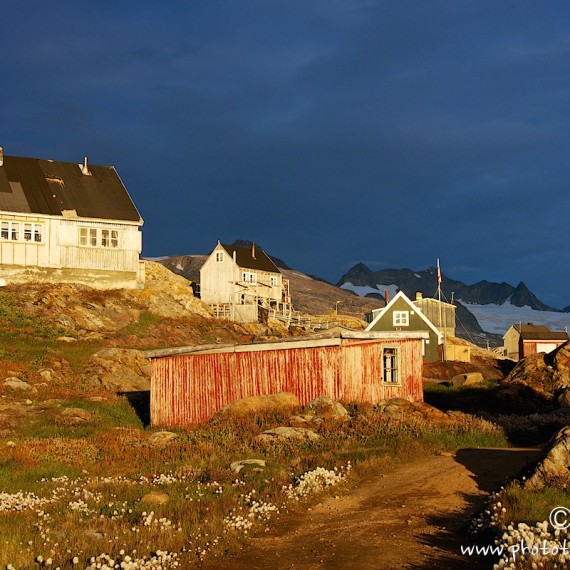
pixel 484 306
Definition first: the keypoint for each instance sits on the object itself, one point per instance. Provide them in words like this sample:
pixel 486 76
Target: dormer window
pixel 219 256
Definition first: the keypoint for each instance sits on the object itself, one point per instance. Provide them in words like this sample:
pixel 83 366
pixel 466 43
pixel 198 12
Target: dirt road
pixel 413 517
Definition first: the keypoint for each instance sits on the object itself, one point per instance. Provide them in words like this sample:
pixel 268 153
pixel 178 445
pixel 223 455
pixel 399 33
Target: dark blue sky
pixel 328 131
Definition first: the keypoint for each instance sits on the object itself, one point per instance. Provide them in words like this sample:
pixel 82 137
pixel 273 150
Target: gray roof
pixel 539 332
pixel 32 185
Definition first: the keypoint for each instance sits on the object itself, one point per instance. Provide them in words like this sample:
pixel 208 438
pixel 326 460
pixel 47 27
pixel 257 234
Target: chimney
pixel 253 250
pixel 1 156
pixel 419 296
pixel 84 167
pixel 386 296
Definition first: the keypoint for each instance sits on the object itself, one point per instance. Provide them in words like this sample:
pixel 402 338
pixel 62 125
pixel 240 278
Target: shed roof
pixel 251 257
pixel 330 338
pixel 531 331
pixel 48 187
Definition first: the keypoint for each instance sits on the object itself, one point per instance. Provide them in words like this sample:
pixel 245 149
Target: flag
pixel 438 274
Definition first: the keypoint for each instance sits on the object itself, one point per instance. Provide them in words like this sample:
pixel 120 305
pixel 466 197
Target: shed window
pixel 401 318
pixel 390 370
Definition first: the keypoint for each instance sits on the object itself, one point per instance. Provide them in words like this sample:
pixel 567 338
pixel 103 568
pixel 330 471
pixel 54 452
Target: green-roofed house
pixel 67 222
pixel 400 314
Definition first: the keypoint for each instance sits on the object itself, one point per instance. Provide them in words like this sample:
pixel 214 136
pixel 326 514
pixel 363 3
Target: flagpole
pixel 441 324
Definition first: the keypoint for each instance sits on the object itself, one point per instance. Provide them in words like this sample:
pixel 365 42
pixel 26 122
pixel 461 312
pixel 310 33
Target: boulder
pixel 17 384
pixel 283 401
pixel 327 408
pixel 554 467
pixel 237 466
pixel 285 433
pixel 467 379
pixel 156 498
pixel 161 438
pixel 73 417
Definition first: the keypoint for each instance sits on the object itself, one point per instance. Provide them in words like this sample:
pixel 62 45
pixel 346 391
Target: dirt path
pixel 413 517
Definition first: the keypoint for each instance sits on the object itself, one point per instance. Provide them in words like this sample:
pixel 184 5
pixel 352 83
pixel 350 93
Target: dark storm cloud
pixel 329 132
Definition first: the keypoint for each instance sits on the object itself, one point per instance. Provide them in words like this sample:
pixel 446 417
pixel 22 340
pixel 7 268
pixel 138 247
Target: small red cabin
pixel 188 384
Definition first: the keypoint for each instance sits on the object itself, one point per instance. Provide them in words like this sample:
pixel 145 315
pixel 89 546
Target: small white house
pixel 67 222
pixel 242 283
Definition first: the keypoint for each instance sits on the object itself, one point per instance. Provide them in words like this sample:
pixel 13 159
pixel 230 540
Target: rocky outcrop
pixel 119 370
pixel 539 380
pixel 554 467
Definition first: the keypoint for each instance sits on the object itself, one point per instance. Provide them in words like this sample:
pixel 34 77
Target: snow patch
pixel 499 318
pixel 363 290
pixel 179 267
pixel 418 276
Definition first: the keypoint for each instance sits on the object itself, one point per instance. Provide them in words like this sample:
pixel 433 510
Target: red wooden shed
pixel 188 384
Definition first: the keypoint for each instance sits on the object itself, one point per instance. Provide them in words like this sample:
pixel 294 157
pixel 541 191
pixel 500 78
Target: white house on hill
pixel 67 222
pixel 242 283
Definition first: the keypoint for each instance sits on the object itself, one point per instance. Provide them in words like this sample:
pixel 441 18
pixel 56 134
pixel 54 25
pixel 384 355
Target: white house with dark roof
pixel 243 283
pixel 67 222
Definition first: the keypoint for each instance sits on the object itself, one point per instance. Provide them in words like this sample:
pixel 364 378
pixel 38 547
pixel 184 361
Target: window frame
pixel 103 238
pixel 401 318
pixel 391 366
pixel 249 277
pixel 26 232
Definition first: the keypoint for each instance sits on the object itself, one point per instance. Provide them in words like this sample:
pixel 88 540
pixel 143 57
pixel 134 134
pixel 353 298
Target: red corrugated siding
pixel 190 388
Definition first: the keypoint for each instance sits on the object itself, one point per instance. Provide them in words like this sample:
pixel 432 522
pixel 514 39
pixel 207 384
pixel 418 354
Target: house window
pixel 401 318
pixel 17 231
pixel 219 256
pixel 249 277
pixel 273 280
pixel 92 237
pixel 390 371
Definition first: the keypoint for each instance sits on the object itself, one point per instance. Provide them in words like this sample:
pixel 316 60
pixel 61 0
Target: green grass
pixel 23 337
pixel 145 321
pixel 532 506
